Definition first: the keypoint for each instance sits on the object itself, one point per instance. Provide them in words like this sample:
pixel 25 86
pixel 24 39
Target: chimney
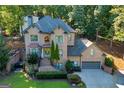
pixel 30 20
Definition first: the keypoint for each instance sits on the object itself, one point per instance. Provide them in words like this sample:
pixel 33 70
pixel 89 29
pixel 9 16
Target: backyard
pixel 19 80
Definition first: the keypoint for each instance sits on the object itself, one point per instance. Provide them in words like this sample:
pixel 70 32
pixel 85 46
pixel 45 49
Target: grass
pixel 19 80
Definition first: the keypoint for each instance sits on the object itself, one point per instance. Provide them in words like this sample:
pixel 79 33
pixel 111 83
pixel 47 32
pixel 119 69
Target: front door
pixel 46 52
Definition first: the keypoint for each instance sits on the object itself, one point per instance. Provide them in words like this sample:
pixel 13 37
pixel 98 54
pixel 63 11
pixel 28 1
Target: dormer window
pixel 46 39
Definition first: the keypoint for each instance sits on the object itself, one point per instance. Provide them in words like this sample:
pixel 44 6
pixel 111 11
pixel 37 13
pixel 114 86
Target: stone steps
pixel 45 62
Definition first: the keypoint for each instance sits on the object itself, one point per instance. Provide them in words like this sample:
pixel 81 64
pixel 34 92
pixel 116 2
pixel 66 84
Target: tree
pixel 103 20
pixel 52 50
pixel 57 57
pixel 83 18
pixel 78 16
pixel 118 22
pixel 33 59
pixel 4 54
pixel 69 66
pixel 11 17
pixel 54 55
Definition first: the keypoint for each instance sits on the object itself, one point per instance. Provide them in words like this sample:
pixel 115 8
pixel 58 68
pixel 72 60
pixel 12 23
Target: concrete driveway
pixel 119 78
pixel 96 78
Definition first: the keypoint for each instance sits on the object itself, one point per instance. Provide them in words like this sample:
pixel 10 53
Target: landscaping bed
pixel 76 81
pixel 108 66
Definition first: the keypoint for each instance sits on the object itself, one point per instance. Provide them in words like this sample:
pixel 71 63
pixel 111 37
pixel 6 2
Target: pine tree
pixel 57 53
pixel 52 54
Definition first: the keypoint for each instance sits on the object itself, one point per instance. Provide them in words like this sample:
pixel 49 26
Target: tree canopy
pixel 4 54
pixel 86 19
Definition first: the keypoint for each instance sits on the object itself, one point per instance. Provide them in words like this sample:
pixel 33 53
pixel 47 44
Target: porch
pixel 45 65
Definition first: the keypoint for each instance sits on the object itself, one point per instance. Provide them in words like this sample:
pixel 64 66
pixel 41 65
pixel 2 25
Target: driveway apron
pixel 96 78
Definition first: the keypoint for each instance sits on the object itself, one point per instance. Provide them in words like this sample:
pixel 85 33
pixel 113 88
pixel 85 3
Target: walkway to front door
pixel 45 65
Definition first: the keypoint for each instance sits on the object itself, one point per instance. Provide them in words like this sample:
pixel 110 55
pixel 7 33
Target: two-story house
pixel 38 38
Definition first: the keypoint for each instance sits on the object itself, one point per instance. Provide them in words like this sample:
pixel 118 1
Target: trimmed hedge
pixel 51 75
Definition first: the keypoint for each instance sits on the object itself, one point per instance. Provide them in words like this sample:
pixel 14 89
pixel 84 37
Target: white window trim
pixel 37 38
pixel 35 50
pixel 57 40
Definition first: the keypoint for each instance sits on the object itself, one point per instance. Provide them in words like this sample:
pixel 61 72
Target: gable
pixel 92 51
pixel 77 49
pixel 33 30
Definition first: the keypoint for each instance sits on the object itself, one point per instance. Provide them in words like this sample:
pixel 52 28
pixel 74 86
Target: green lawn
pixel 18 80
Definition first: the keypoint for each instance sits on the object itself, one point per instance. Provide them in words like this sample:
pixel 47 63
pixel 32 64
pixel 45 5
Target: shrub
pixel 109 61
pixel 51 75
pixel 77 68
pixel 33 59
pixel 81 85
pixel 74 78
pixel 69 66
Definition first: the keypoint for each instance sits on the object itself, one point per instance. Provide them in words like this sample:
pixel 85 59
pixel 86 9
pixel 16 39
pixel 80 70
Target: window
pixel 34 50
pixel 69 37
pixel 34 38
pixel 91 52
pixel 59 39
pixel 61 52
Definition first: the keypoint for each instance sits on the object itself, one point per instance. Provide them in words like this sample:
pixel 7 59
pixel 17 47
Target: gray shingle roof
pixel 47 25
pixel 80 46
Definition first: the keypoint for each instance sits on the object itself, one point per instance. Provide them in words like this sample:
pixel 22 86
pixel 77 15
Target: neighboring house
pixel 38 38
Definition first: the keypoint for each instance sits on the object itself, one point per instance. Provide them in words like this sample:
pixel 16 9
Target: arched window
pixel 46 38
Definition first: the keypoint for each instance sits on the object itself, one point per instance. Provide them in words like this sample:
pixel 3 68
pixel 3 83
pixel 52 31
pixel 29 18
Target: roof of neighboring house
pixel 79 46
pixel 47 25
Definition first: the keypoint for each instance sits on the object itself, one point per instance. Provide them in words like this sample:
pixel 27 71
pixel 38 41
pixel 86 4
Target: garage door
pixel 90 65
